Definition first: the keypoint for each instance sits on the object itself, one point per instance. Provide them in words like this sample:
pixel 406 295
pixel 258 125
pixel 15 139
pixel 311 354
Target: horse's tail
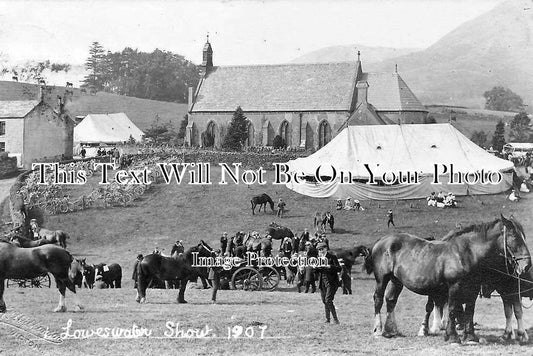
pixel 369 265
pixel 271 203
pixel 118 278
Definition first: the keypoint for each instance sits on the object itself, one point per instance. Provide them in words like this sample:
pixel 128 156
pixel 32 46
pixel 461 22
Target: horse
pixel 347 260
pixel 258 244
pixel 511 289
pixel 111 274
pixel 447 271
pixel 25 263
pixel 23 242
pixel 262 201
pixel 321 219
pixel 56 236
pixel 278 232
pixel 166 268
pixel 88 274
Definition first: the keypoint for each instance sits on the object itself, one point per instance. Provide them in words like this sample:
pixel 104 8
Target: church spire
pixel 207 58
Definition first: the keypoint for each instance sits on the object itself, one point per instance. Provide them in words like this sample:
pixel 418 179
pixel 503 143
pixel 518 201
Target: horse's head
pixel 512 242
pixel 204 250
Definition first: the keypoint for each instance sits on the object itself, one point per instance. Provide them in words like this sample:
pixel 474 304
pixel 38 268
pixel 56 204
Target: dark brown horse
pixel 262 201
pixel 25 263
pixel 258 244
pixel 347 259
pixel 111 274
pixel 170 268
pixel 447 271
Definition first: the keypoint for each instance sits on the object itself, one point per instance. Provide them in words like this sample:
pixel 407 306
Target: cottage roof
pixel 284 87
pixel 16 108
pixel 300 87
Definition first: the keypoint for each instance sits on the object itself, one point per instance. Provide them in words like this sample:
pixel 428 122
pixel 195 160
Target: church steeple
pixel 207 60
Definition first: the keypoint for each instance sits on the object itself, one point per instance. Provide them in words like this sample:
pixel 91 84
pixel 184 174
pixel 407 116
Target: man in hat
pixel 214 277
pixel 224 242
pixel 177 248
pixel 134 275
pixel 328 280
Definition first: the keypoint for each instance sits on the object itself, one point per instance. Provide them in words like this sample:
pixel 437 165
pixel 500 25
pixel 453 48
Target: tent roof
pixel 108 128
pixel 394 148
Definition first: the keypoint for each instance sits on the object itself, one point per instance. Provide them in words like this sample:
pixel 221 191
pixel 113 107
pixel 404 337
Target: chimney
pixel 191 94
pixel 41 93
pixel 362 92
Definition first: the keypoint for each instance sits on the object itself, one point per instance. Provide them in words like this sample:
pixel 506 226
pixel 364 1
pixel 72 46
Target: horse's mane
pixel 477 228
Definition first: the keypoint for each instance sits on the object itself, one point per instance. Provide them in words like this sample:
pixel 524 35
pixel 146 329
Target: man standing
pixel 391 219
pixel 328 281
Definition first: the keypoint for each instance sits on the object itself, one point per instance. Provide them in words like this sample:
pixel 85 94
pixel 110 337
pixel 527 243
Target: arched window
pixel 209 139
pixel 250 141
pixel 284 132
pixel 324 134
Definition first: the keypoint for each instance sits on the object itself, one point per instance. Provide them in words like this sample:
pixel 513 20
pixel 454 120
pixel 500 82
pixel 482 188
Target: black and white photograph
pixel 266 177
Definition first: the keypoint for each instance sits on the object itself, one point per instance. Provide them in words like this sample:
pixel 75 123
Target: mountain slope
pixel 495 48
pixel 349 53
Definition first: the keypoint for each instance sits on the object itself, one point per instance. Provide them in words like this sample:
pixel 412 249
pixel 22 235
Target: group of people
pixel 442 200
pixel 349 204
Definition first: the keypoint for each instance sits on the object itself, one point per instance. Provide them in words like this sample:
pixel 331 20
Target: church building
pixel 305 104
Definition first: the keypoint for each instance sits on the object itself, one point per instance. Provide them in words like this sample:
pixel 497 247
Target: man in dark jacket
pixel 328 281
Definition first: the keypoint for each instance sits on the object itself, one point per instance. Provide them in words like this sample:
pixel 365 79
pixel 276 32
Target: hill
pixel 349 53
pixel 493 49
pixel 141 111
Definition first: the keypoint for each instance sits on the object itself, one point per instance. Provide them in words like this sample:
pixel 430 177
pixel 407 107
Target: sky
pixel 241 32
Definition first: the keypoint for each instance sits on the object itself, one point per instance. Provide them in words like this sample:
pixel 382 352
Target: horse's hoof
pixel 453 339
pixel 471 339
pixel 142 300
pixel 389 334
pixel 507 336
pixel 522 337
pixel 183 301
pixel 423 331
pixel 79 308
pixel 60 309
pixel 138 299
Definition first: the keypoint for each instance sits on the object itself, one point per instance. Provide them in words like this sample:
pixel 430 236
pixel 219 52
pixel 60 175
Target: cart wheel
pixel 270 278
pixel 41 281
pixel 21 283
pixel 246 278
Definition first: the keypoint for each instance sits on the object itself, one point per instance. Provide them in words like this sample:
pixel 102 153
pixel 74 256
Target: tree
pixel 479 138
pixel 503 99
pixel 237 131
pixel 95 64
pixel 279 142
pixel 520 129
pixel 498 138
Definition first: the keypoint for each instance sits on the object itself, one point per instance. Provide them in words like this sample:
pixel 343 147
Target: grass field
pixel 294 321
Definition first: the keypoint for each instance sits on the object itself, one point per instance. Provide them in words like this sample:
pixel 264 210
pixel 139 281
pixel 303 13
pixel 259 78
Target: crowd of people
pixel 442 200
pixel 349 204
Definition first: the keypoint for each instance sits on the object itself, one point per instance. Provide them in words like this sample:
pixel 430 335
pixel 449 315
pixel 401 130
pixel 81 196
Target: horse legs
pixel 451 332
pixel 424 329
pixel 181 293
pixel 508 311
pixel 142 284
pixel 521 333
pixel 391 329
pixel 253 208
pixel 379 292
pixel 61 307
pixel 468 320
pixel 2 303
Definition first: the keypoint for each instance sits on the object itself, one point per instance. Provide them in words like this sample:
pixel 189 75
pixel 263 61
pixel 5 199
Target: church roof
pixel 16 108
pixel 299 87
pixel 284 87
pixel 389 92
